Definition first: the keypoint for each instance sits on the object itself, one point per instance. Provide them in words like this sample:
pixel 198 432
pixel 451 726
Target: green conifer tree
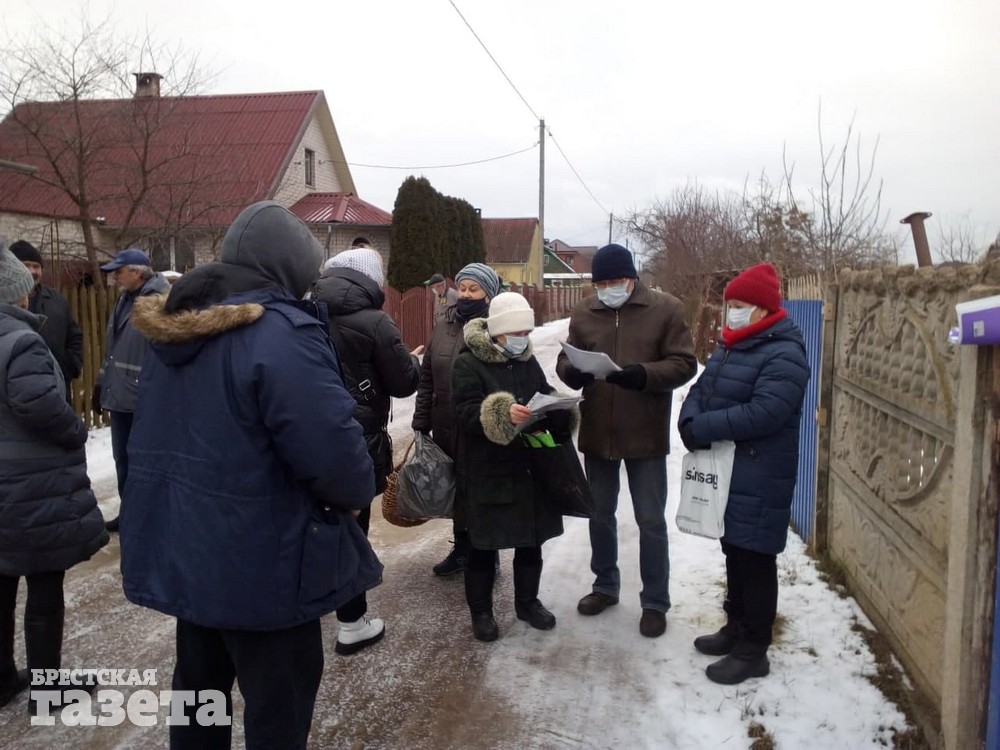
pixel 417 234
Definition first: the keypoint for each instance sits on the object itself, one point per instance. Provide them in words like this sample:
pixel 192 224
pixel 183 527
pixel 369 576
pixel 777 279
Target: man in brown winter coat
pixel 627 417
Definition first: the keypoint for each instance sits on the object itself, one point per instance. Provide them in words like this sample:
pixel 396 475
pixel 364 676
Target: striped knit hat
pixel 15 280
pixel 483 275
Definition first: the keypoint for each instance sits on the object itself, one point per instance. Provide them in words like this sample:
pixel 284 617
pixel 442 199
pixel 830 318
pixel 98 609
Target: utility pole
pixel 541 202
pixel 611 224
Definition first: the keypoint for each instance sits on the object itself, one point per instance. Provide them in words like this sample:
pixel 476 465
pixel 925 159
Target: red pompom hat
pixel 758 285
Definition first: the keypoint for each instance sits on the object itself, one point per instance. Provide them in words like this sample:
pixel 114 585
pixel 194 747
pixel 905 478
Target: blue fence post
pixel 808 316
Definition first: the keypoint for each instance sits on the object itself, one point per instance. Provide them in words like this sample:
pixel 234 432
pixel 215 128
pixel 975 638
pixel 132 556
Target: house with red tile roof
pixel 169 174
pixel 576 257
pixel 514 249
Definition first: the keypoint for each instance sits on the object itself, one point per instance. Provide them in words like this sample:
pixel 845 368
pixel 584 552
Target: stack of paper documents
pixel 599 364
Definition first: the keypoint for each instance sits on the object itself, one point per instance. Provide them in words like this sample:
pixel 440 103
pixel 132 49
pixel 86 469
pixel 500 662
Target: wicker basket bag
pixel 389 496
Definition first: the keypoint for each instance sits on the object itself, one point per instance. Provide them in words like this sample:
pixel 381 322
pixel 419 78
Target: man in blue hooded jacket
pixel 246 471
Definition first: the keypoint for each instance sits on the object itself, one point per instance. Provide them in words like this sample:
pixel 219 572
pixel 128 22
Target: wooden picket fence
pixel 413 310
pixel 91 307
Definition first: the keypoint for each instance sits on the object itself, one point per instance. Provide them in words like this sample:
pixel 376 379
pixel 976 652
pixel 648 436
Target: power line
pixel 443 166
pixel 530 109
pixel 502 71
pixel 594 197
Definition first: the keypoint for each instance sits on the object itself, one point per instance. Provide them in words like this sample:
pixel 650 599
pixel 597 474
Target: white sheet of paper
pixel 541 402
pixel 598 364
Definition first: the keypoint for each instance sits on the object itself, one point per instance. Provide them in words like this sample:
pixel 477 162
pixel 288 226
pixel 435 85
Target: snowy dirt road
pixel 590 683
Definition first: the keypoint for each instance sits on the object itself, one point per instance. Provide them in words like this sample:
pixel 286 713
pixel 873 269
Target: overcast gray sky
pixel 642 95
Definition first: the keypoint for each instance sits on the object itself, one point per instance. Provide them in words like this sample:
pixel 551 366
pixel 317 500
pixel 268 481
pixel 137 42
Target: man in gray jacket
pixel 118 381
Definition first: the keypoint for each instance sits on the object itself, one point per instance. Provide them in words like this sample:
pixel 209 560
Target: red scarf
pixel 730 337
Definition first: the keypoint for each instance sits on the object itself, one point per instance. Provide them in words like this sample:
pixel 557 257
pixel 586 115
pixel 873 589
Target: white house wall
pixel 293 183
pixel 39 231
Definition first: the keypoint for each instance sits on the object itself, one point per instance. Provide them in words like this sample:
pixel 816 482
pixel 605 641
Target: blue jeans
pixel 121 428
pixel 647 482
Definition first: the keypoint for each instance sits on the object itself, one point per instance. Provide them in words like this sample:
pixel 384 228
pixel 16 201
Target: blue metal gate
pixel 808 316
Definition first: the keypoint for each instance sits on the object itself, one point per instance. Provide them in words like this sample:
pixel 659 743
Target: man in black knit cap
pixel 60 332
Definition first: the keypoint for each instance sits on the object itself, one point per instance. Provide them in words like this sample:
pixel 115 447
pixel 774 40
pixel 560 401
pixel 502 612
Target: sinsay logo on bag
pixel 700 476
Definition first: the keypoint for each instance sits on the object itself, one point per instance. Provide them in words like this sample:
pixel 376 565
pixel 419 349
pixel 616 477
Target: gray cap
pixel 15 280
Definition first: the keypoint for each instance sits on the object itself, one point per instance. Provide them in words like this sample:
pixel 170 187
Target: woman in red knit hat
pixel 751 392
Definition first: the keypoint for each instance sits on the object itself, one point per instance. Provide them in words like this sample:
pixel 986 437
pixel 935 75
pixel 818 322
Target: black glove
pixel 576 379
pixel 632 377
pixel 687 437
pixel 95 398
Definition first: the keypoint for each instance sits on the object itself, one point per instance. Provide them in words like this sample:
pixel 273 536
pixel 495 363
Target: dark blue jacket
pixel 243 434
pixel 752 394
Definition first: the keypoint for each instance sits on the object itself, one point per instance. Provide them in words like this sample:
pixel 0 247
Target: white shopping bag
pixel 705 477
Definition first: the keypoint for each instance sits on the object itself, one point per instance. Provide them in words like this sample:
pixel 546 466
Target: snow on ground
pixel 595 682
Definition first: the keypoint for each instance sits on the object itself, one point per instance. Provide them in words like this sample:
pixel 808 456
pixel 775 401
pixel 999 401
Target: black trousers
pixel 278 673
pixel 45 594
pixel 752 597
pixel 486 559
pixel 355 609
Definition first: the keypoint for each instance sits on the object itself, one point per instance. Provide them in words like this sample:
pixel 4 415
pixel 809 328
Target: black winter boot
pixel 43 636
pixel 733 669
pixel 724 640
pixel 479 595
pixel 747 659
pixel 12 680
pixel 457 559
pixel 719 643
pixel 526 604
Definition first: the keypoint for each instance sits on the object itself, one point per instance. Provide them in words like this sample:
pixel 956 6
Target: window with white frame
pixel 310 162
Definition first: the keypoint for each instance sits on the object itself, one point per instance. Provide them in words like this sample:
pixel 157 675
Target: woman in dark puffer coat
pixel 378 368
pixel 751 392
pixel 493 378
pixel 477 285
pixel 49 520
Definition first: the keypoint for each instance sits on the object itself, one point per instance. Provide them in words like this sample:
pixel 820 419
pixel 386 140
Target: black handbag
pixel 559 473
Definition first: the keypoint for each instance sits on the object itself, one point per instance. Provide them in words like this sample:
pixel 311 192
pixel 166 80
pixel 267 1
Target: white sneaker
pixel 354 636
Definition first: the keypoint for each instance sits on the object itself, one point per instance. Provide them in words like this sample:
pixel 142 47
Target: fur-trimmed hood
pixel 205 302
pixel 480 343
pixel 150 318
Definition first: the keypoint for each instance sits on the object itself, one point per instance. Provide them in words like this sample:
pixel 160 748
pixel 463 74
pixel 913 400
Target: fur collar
pixel 152 321
pixel 480 343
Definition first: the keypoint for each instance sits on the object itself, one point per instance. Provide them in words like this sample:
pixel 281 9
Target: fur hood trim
pixel 480 343
pixel 153 322
pixel 494 415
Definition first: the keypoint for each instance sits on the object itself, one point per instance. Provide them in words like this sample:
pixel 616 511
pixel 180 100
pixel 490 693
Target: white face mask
pixel 614 296
pixel 739 317
pixel 515 346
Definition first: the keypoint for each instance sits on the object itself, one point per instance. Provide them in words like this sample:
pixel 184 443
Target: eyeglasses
pixel 609 282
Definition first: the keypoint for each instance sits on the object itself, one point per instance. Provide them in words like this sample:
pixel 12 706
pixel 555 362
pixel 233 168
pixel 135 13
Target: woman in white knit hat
pixel 492 380
pixel 376 367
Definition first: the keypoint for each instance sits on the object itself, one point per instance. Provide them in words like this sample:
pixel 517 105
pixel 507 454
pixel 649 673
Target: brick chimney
pixel 147 85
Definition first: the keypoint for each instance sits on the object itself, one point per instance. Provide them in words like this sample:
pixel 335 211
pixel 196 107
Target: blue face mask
pixel 473 308
pixel 514 347
pixel 739 317
pixel 614 296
